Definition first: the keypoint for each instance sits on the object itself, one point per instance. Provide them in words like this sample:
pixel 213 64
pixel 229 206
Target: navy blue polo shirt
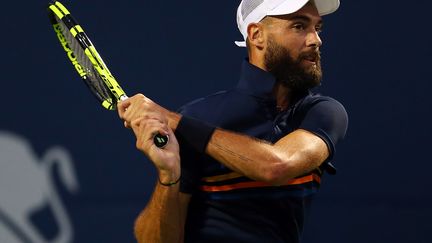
pixel 228 207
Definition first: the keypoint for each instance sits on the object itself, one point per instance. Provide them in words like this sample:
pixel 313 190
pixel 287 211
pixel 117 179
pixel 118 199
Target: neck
pixel 257 59
pixel 283 96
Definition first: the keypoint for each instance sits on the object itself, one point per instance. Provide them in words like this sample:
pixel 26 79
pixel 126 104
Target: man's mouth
pixel 313 58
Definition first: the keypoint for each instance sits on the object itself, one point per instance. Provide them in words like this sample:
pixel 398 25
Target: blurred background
pixel 69 171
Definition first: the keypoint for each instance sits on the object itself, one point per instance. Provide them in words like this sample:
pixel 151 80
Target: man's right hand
pixel 167 159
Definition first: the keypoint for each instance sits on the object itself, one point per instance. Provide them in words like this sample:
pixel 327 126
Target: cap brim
pixel 240 43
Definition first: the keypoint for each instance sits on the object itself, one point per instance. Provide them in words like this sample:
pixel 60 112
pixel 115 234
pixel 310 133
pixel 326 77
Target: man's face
pixel 292 50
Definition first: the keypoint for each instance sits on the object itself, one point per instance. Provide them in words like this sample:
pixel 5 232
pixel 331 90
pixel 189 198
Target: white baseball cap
pixel 253 11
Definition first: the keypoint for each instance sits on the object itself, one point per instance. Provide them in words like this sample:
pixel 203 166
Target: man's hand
pixel 166 160
pixel 147 119
pixel 139 106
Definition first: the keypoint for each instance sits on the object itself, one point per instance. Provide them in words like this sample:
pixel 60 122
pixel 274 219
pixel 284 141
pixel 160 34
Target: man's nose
pixel 313 39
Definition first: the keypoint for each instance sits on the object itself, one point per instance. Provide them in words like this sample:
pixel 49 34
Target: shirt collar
pixel 256 81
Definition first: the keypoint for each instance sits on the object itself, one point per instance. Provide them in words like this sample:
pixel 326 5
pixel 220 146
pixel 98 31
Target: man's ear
pixel 256 35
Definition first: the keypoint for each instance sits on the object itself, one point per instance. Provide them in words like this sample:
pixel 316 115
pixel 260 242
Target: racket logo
pixel 160 140
pixel 70 54
pixel 108 78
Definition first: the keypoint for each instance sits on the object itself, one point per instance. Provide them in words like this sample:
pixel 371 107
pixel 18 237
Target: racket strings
pixel 92 78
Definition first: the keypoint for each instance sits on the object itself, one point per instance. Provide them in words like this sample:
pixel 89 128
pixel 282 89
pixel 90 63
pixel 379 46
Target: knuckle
pixel 138 144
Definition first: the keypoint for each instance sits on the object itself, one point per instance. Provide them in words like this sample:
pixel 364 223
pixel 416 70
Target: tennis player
pixel 242 165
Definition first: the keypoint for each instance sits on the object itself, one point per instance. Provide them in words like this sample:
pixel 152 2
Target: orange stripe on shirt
pixel 255 184
pixel 223 177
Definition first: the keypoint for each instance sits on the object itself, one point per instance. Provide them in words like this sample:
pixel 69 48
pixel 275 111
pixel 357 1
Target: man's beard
pixel 279 62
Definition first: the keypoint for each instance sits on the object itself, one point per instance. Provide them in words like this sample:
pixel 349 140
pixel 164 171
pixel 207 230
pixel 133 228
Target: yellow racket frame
pixel 90 51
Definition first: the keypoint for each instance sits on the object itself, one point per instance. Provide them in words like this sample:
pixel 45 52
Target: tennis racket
pixel 87 62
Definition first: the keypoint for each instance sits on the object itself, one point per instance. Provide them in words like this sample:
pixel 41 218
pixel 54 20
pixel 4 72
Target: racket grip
pixel 160 140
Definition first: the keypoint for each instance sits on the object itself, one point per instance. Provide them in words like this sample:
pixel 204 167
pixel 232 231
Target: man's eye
pixel 298 26
pixel 318 29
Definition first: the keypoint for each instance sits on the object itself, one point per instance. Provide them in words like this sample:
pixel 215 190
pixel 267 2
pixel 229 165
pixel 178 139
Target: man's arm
pixel 295 154
pixel 164 217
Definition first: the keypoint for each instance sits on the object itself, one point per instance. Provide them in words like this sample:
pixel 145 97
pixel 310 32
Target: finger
pixel 154 125
pixel 145 130
pixel 149 128
pixel 127 105
pixel 172 138
pixel 135 107
pixel 122 107
pixel 135 124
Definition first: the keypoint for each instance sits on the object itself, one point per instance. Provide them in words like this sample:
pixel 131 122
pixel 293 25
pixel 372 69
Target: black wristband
pixel 169 183
pixel 195 132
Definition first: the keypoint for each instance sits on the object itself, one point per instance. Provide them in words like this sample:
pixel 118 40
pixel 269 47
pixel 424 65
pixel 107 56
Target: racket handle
pixel 160 140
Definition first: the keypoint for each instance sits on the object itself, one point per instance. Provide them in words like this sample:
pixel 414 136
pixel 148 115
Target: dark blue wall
pixel 376 57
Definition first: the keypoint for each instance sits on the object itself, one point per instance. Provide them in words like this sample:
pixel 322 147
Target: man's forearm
pixel 295 154
pixel 161 221
pixel 251 157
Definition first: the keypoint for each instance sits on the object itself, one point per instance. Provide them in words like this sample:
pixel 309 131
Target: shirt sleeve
pixel 327 119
